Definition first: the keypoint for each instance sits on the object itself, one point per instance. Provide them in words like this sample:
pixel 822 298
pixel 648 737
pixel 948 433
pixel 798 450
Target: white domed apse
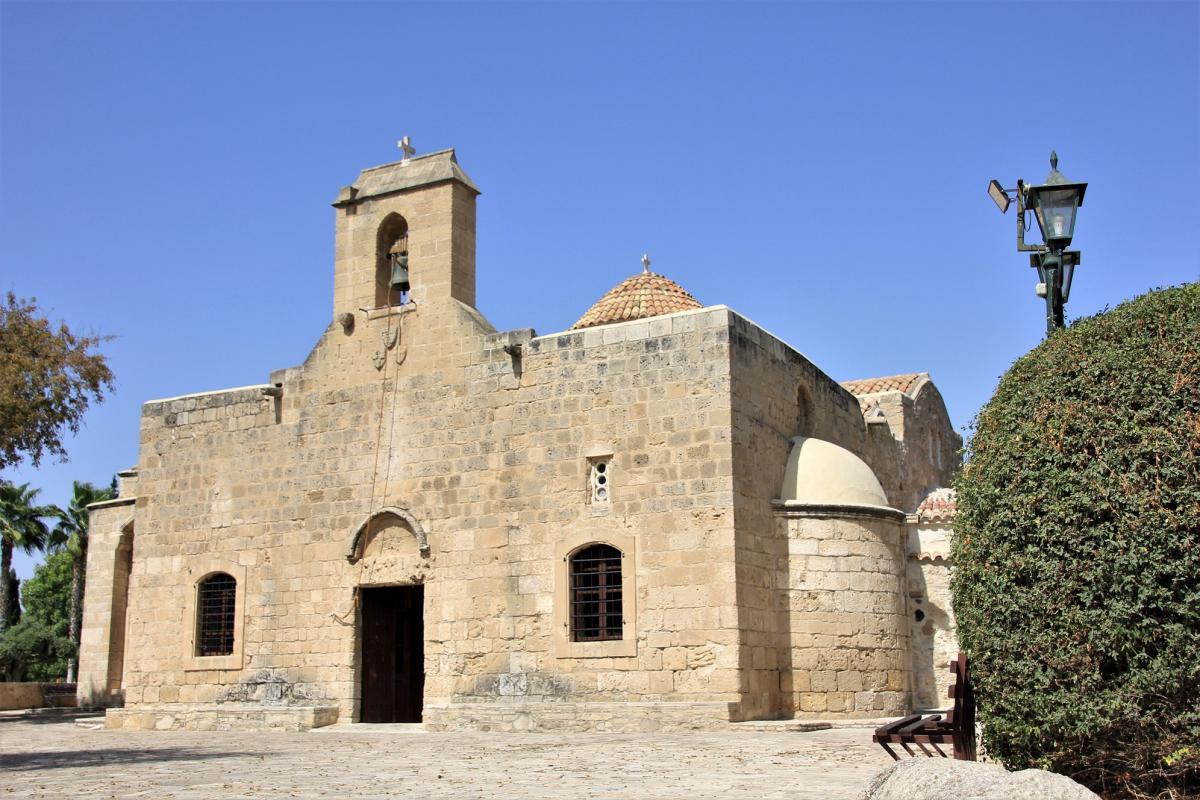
pixel 821 473
pixel 846 560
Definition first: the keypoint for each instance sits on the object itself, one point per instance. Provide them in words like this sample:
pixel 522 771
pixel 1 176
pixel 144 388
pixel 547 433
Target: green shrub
pixel 1077 552
pixel 31 651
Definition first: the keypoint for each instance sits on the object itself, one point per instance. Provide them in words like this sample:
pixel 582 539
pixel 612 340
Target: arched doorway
pixel 391 552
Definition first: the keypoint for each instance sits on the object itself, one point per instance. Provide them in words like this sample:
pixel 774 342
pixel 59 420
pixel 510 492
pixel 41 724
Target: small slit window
pixel 215 607
pixel 599 489
pixel 596 594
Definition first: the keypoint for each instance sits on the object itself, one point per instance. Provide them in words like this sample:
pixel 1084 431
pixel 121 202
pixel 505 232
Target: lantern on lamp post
pixel 1054 204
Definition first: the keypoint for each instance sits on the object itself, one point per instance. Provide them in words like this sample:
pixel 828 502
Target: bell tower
pixel 406 231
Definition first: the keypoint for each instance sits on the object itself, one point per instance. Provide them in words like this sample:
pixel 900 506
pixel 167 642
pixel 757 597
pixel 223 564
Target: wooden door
pixel 393 653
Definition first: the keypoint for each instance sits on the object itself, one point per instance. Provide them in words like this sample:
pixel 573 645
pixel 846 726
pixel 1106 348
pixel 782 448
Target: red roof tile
pixel 890 383
pixel 940 505
pixel 646 294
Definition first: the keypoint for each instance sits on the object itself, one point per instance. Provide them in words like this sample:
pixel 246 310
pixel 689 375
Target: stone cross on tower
pixel 406 148
pixel 645 263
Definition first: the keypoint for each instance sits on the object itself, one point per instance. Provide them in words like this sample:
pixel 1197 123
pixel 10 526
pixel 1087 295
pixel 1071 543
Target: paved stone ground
pixel 51 757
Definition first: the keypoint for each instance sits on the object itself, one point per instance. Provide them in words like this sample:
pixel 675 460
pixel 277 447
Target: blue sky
pixel 166 171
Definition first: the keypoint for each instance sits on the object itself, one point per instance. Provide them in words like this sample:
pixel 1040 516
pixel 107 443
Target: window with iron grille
pixel 215 606
pixel 596 594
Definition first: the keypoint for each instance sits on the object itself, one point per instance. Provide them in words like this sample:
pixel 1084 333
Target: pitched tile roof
pixel 890 383
pixel 646 294
pixel 940 505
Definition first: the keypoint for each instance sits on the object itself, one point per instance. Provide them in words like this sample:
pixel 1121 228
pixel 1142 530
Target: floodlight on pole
pixel 999 196
pixel 1055 204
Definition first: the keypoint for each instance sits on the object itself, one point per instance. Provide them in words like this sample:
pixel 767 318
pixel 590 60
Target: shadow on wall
pixel 925 621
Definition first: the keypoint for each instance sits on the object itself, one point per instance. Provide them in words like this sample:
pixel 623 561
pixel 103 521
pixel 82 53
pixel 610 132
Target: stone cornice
pixel 833 510
pixel 114 503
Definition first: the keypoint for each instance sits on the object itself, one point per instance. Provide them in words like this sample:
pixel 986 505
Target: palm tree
pixel 72 532
pixel 21 526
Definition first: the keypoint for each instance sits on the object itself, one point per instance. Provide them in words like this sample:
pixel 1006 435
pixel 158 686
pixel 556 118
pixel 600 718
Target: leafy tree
pixel 38 648
pixel 1077 551
pixel 21 525
pixel 71 532
pixel 48 377
pixel 46 596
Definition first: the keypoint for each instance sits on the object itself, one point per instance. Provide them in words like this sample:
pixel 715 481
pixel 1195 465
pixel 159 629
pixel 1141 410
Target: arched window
pixel 391 249
pixel 216 599
pixel 596 594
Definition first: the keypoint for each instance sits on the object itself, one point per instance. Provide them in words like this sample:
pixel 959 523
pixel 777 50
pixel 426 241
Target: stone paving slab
pixel 50 757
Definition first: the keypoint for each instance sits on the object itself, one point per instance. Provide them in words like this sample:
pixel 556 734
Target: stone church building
pixel 664 517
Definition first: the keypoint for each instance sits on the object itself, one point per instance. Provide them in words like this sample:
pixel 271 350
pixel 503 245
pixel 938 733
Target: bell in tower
pixel 375 242
pixel 399 257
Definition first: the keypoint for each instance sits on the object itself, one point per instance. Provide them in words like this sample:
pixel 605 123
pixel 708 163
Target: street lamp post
pixel 1054 204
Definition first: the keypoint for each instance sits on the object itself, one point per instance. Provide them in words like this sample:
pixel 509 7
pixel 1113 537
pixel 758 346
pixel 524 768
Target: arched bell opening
pixel 391 262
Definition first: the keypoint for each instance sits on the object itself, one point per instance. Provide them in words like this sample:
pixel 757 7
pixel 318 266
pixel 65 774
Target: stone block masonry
pixel 493 468
pixel 416 446
pixel 175 717
pixel 847 607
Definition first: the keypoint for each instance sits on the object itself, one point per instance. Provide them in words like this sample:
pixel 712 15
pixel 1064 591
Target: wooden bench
pixel 955 727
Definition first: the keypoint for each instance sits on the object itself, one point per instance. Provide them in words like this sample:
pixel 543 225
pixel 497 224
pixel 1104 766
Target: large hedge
pixel 1077 552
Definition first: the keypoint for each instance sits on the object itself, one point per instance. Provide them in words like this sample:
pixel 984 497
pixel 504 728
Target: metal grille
pixel 596 594
pixel 214 615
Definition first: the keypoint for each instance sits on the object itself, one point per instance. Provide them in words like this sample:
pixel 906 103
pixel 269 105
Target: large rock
pixel 947 779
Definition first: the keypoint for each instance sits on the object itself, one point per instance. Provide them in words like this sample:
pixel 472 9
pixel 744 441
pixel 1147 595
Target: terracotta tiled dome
pixel 646 294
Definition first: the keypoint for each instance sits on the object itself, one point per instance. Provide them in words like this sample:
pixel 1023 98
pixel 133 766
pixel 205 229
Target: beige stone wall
pixel 776 394
pixel 916 449
pixel 624 717
pixel 885 451
pixel 102 635
pixel 931 613
pixel 20 695
pixel 932 446
pixel 176 716
pixel 486 451
pixel 850 634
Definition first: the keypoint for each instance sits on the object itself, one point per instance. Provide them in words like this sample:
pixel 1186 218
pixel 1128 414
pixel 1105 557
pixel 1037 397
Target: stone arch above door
pixel 354 553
